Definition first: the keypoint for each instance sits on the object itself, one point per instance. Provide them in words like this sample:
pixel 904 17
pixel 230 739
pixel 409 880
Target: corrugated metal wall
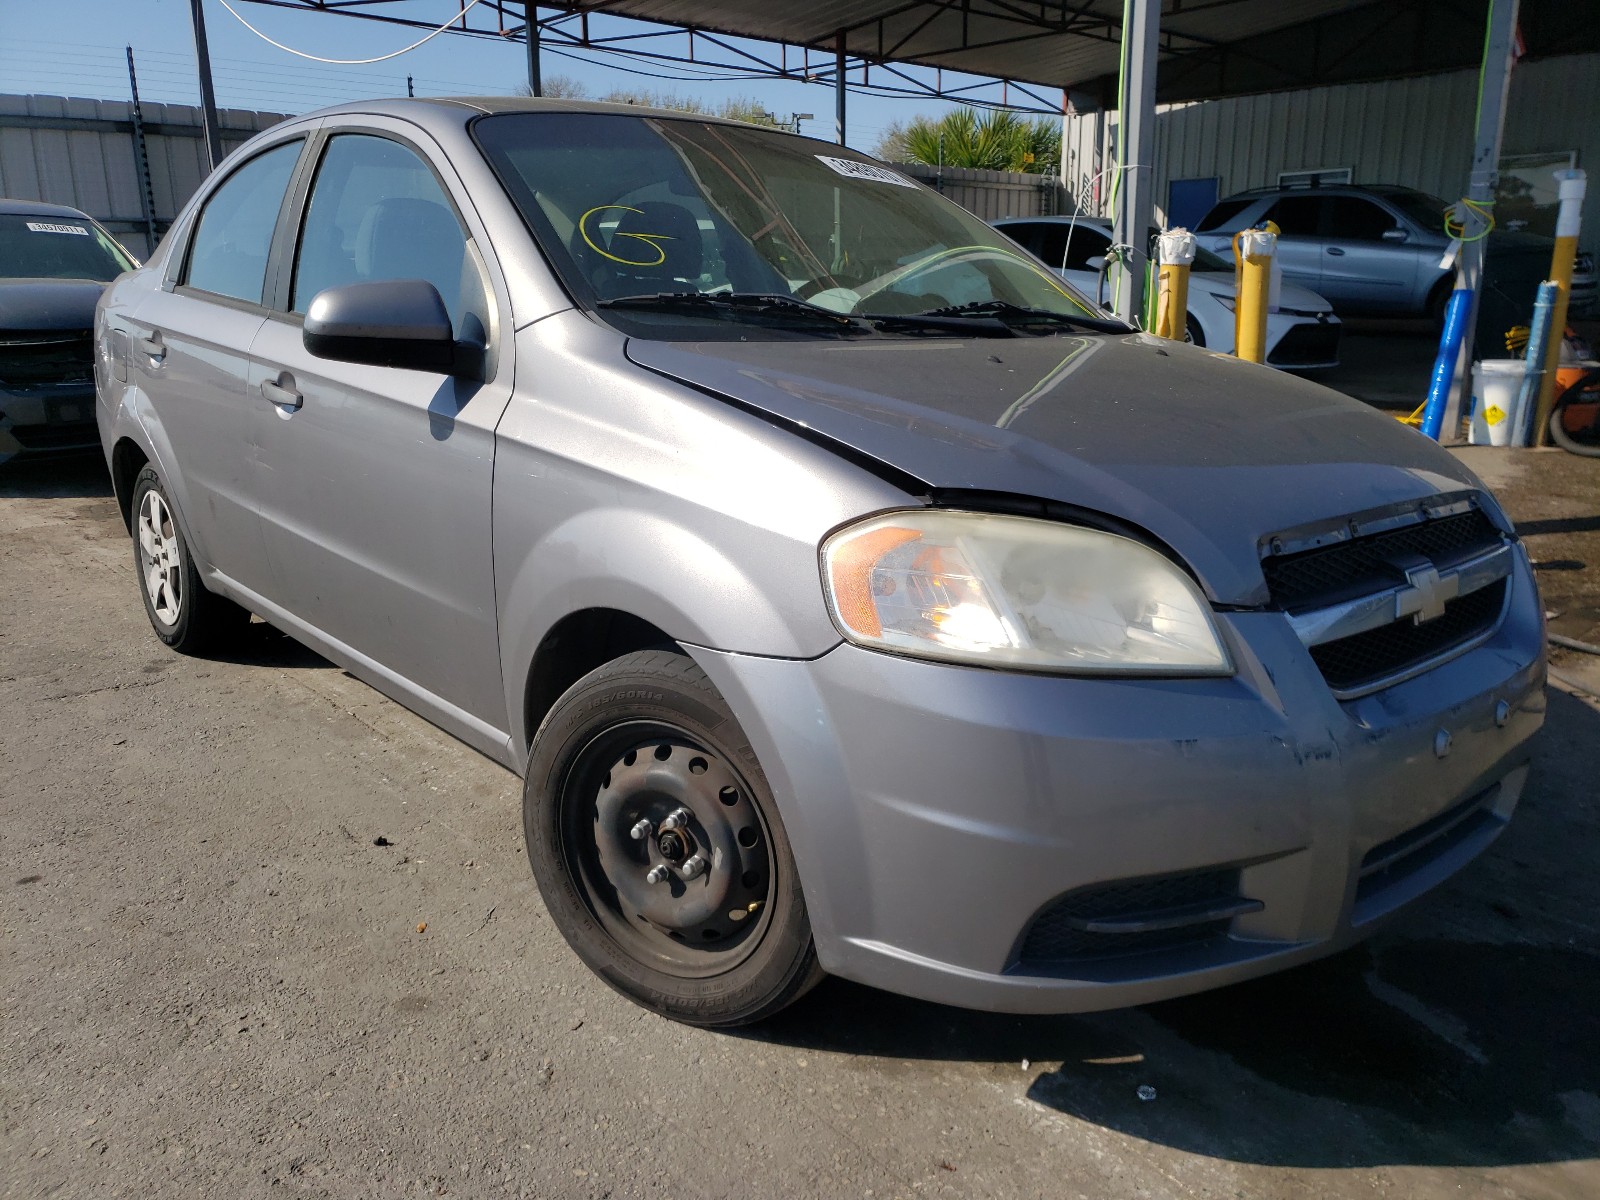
pixel 81 153
pixel 994 194
pixel 1416 132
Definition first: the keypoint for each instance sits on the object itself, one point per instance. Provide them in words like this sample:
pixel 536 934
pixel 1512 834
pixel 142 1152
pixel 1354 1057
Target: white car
pixel 1302 332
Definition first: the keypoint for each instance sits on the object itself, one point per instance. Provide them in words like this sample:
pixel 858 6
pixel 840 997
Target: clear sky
pixel 75 48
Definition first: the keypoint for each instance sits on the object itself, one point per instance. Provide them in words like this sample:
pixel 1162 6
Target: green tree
pixel 994 140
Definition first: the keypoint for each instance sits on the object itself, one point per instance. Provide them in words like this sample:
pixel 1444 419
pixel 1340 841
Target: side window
pixel 1075 251
pixel 1298 216
pixel 1357 219
pixel 228 254
pixel 1025 235
pixel 377 212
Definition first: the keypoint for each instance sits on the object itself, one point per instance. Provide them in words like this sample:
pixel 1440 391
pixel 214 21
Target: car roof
pixel 1370 189
pixel 1097 222
pixel 38 208
pixel 460 109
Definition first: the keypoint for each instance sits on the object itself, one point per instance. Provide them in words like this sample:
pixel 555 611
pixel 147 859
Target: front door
pixel 374 483
pixel 1362 268
pixel 1299 252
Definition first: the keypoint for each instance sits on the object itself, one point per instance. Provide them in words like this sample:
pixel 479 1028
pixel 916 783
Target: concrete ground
pixel 267 934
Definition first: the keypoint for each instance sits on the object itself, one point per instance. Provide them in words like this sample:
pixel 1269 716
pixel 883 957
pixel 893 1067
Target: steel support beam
pixel 535 81
pixel 1136 132
pixel 208 95
pixel 1498 56
pixel 839 90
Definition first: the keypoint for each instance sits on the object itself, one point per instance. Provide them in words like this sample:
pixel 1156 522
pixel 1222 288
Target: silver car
pixel 1381 249
pixel 851 594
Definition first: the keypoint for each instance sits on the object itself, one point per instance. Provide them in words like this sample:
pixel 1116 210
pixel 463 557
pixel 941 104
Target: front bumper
pixel 936 812
pixel 49 419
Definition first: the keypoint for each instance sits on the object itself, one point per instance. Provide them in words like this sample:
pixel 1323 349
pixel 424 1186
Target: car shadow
pixel 1467 1034
pixel 55 476
pixel 262 645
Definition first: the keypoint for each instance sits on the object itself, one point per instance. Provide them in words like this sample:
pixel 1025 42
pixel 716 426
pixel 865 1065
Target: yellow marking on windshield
pixel 649 239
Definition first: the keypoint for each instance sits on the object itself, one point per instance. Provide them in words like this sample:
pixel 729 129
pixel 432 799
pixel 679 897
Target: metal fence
pixel 85 153
pixel 994 194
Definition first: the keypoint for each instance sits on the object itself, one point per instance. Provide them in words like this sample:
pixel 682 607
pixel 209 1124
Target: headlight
pixel 1019 592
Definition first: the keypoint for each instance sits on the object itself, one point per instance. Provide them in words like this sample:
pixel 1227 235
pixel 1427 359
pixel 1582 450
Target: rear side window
pixel 378 212
pixel 1298 216
pixel 228 255
pixel 1221 214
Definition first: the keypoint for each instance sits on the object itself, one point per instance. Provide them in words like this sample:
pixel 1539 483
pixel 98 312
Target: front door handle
pixel 282 392
pixel 1335 251
pixel 153 347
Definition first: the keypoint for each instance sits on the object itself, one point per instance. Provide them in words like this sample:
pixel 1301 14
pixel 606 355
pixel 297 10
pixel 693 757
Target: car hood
pixel 1290 295
pixel 1205 452
pixel 48 304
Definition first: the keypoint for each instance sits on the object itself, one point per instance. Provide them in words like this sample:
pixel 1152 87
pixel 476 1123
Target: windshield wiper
pixel 755 303
pixel 1004 310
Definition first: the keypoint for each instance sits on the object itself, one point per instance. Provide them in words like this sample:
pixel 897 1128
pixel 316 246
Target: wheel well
pixel 127 460
pixel 579 643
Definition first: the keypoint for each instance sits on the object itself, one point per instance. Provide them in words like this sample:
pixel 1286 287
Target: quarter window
pixel 377 212
pixel 228 255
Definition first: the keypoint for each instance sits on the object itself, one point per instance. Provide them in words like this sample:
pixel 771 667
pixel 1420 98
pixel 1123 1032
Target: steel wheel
pixel 659 849
pixel 669 850
pixel 161 558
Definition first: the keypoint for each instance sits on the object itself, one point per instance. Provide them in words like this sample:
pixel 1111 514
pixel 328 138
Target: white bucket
pixel 1495 384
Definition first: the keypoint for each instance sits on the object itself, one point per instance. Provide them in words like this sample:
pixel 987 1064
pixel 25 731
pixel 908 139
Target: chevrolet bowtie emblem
pixel 1426 591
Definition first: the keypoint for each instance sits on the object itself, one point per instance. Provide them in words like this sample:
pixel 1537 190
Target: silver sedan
pixel 852 595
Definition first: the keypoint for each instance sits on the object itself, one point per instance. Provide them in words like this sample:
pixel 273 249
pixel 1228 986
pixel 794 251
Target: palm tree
pixel 994 140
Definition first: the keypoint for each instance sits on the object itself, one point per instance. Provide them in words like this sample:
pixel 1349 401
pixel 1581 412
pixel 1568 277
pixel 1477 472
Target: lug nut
pixel 656 875
pixel 677 819
pixel 640 831
pixel 692 866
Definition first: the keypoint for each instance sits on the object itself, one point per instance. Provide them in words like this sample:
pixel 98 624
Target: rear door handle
pixel 153 347
pixel 1334 250
pixel 283 394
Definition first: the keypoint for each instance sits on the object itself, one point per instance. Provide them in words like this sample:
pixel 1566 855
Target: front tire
pixel 182 612
pixel 658 849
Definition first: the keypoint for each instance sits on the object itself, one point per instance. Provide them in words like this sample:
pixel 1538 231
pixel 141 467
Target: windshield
pixel 630 206
pixel 50 247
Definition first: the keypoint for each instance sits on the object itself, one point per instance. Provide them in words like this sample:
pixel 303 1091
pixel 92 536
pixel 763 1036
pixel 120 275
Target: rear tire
pixel 182 612
pixel 1574 434
pixel 1192 333
pixel 722 942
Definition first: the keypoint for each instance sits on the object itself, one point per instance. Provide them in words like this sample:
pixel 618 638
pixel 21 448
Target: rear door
pixel 374 482
pixel 1299 220
pixel 1361 269
pixel 189 354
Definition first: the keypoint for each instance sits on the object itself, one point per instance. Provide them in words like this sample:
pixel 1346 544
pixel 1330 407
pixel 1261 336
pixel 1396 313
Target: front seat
pixel 406 238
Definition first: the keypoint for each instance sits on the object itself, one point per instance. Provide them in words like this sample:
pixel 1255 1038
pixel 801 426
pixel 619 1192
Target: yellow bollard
pixel 1175 250
pixel 1252 251
pixel 1568 218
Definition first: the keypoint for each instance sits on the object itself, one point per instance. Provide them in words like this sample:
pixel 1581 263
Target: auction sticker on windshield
pixel 856 170
pixel 52 227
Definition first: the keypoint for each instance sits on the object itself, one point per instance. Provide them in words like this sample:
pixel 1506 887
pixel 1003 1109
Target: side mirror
pixel 1395 235
pixel 1097 263
pixel 390 323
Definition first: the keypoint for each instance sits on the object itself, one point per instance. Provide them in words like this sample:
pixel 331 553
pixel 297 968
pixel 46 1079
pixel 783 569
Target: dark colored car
pixel 54 263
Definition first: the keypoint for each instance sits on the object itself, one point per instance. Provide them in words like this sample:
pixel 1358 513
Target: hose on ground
pixel 1557 639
